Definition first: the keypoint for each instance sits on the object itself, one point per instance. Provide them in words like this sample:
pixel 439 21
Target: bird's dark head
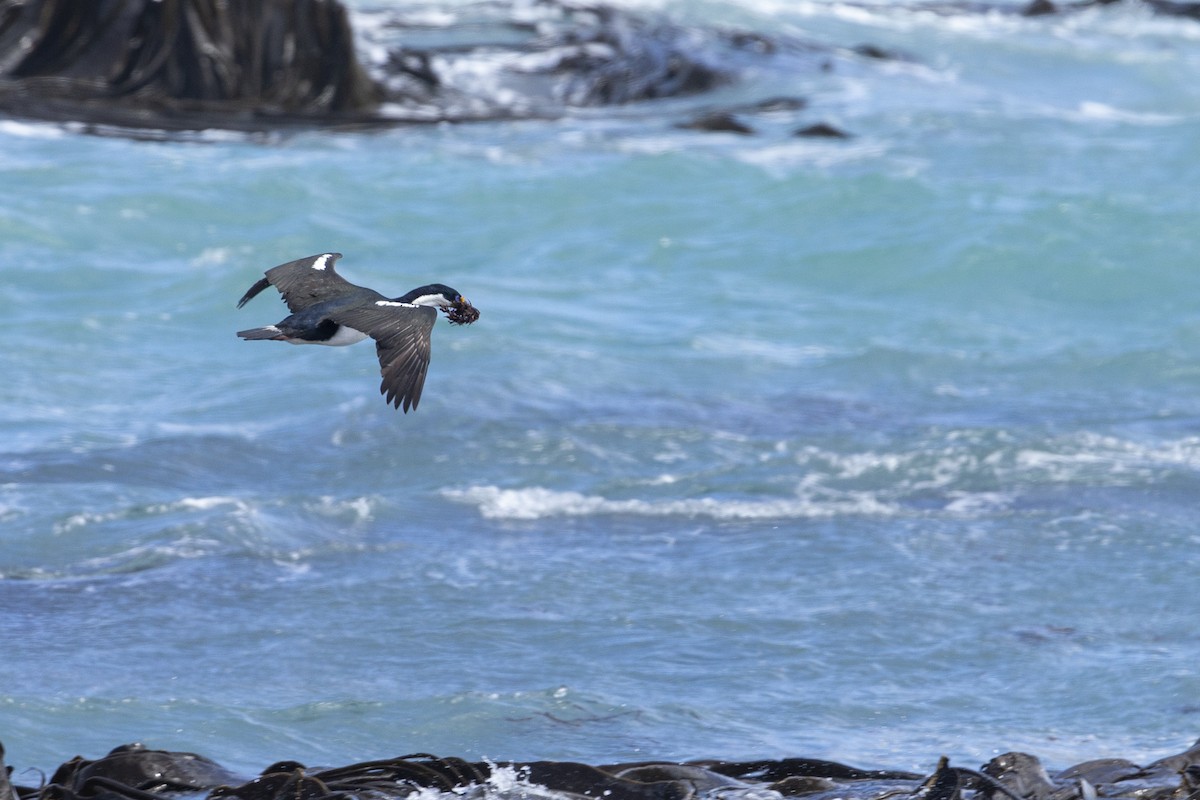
pixel 456 307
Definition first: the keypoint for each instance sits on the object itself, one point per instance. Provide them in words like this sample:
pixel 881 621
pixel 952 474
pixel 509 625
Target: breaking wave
pixel 538 502
pixel 963 473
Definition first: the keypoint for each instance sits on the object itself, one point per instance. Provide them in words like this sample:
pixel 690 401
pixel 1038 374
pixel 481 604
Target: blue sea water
pixel 873 449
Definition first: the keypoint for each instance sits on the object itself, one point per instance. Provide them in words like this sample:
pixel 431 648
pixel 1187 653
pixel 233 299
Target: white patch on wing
pixel 322 262
pixel 394 304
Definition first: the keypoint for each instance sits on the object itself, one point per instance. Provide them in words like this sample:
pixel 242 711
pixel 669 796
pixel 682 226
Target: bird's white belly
pixel 343 336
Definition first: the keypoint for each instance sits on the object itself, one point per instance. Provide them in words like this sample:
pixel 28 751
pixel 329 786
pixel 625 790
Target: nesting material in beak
pixel 462 312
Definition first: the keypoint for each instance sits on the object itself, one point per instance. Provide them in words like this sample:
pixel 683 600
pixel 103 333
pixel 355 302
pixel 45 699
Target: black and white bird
pixel 328 309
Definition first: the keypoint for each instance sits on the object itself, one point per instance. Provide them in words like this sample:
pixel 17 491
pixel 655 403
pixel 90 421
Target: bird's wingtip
pixel 259 285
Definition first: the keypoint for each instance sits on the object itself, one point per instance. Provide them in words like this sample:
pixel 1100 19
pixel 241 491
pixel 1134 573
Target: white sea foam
pixel 31 130
pixel 781 157
pixel 203 504
pixel 1088 455
pixel 1092 110
pixel 358 509
pixel 539 502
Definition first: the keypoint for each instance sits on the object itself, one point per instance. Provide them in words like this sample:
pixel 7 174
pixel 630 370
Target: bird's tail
pixel 269 332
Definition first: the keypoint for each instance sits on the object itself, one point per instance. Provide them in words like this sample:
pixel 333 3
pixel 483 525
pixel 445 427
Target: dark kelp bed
pixel 135 772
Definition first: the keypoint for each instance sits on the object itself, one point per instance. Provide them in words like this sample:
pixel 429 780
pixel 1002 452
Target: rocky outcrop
pixel 173 65
pixel 181 63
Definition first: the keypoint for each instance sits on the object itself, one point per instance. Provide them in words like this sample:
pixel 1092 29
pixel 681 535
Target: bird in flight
pixel 328 309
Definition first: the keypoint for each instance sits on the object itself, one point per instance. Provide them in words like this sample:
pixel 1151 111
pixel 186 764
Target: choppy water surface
pixel 870 449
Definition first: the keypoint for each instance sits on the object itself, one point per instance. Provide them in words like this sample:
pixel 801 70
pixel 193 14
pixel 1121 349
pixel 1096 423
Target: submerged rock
pixel 719 122
pixel 821 130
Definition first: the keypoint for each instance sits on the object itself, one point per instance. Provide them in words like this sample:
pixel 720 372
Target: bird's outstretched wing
pixel 401 332
pixel 303 282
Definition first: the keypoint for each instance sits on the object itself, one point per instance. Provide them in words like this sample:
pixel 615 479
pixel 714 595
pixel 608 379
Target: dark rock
pixel 700 780
pixel 797 785
pixel 1100 771
pixel 1187 8
pixel 1190 779
pixel 717 121
pixel 1038 8
pixel 285 780
pixel 1178 762
pixel 581 779
pixel 1022 774
pixel 822 130
pixel 876 52
pixel 141 769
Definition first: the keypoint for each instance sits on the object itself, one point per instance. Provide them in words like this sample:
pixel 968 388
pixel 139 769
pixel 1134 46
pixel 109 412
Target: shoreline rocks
pixel 135 772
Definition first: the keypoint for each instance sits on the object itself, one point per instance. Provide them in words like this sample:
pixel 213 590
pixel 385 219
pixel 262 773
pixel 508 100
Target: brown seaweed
pixel 461 313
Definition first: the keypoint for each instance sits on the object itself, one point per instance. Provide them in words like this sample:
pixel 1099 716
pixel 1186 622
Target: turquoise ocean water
pixel 872 449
